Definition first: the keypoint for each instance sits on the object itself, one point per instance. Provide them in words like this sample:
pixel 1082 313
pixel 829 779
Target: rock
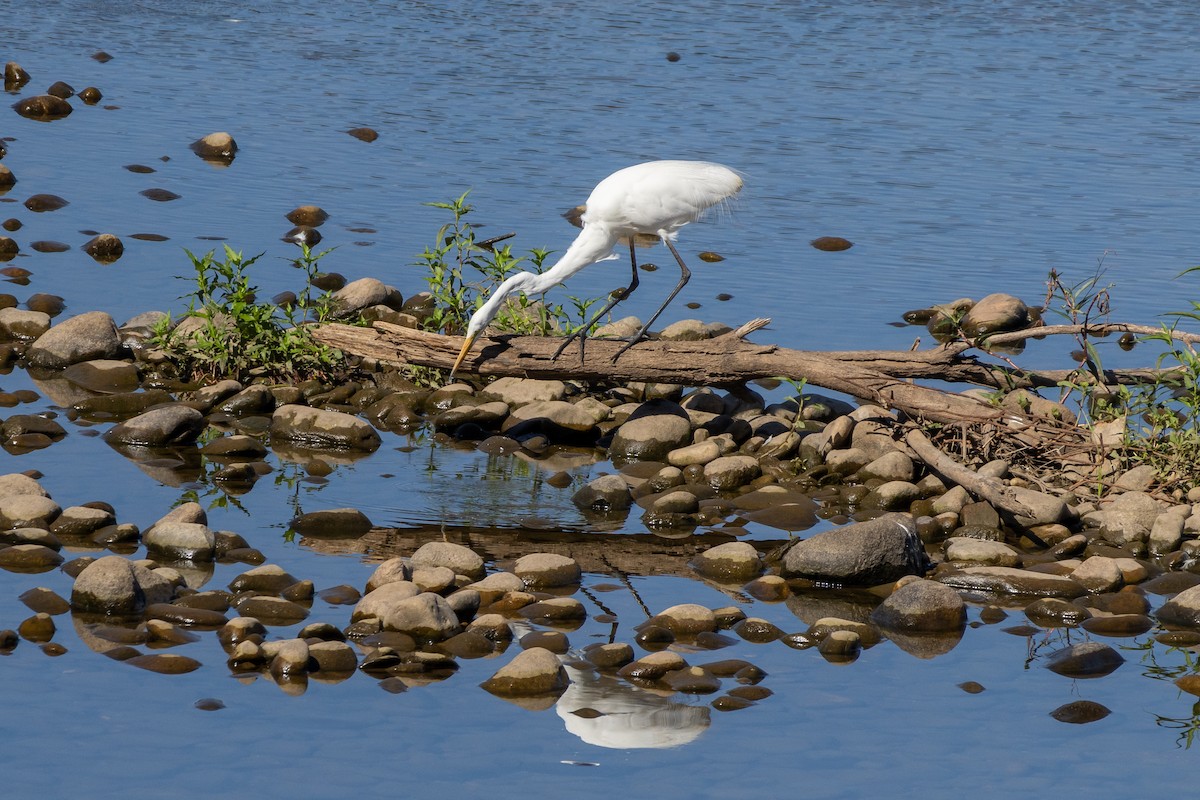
pixel 332 523
pixel 892 466
pixel 609 656
pixel 730 472
pixel 86 337
pixel 271 610
pixel 29 558
pixel 517 392
pixel 922 605
pixel 686 619
pixel 27 511
pixel 80 521
pixel 731 562
pixel 108 585
pixel 651 432
pixel 104 247
pixel 43 107
pixel 159 427
pixel 15 483
pixel 103 376
pixel 547 570
pixel 180 541
pixel 1183 609
pixel 864 554
pixel 313 216
pixel 558 420
pixel 1166 533
pixel 1086 660
pixel 377 602
pixel 1040 508
pixel 19 325
pixel 333 657
pixel 1007 580
pixel 979 551
pixel 995 313
pixel 699 453
pixel 185 512
pixel 1080 712
pixel 425 616
pixel 462 560
pixel 321 429
pixel 1129 519
pixel 893 495
pixel 604 495
pixel 535 671
pixel 1099 574
pixel 290 657
pixel 390 571
pixel 358 295
pixel 265 579
pixel 840 646
pixel 217 147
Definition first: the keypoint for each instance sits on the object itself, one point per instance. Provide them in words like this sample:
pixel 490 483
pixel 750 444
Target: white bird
pixel 656 198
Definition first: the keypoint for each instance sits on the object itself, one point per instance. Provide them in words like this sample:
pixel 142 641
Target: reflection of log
pixel 602 554
pixel 875 376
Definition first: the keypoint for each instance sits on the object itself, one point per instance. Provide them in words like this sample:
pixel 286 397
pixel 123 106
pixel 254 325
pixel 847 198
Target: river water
pixel 964 148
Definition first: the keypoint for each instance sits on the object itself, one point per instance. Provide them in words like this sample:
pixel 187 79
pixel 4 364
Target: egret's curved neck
pixel 592 244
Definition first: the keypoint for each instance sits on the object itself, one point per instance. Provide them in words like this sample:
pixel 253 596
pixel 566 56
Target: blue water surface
pixel 964 148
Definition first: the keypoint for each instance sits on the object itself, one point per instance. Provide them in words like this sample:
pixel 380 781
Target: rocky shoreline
pixel 912 550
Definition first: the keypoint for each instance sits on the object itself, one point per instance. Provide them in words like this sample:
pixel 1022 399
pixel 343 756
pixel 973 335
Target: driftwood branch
pixel 871 376
pixel 883 377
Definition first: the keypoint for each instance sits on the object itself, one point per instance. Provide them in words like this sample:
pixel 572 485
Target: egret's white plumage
pixel 656 198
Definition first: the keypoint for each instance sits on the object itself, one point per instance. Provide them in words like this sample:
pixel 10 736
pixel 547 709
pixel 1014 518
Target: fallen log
pixel 873 376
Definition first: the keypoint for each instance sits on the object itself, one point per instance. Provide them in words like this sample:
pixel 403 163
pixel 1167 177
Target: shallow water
pixel 963 151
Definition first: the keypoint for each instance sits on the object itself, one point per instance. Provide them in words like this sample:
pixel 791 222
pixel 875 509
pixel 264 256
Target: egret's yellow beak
pixel 467 342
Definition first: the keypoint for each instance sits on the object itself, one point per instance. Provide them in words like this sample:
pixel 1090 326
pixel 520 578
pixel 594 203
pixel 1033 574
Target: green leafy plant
pixel 462 269
pixel 228 332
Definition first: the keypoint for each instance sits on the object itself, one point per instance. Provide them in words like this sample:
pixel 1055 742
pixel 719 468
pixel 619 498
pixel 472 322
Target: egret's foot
pixel 579 334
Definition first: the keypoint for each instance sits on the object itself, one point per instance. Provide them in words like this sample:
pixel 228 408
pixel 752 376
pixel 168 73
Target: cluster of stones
pixel 686 459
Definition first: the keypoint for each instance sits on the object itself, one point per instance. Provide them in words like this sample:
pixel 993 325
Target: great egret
pixel 656 198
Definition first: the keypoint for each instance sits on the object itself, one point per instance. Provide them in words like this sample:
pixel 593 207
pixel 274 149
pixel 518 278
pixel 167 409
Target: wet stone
pixel 86 337
pixel 609 656
pixel 158 427
pixel 865 553
pixel 532 672
pixel 1080 712
pixel 768 589
pixel 108 585
pixel 271 610
pixel 184 541
pixel 556 610
pixel 757 631
pixel 554 641
pixel 29 558
pixel 44 600
pixel 38 628
pixel 182 615
pixel 1007 580
pixel 321 429
pixel 547 570
pixel 332 523
pixel 1086 660
pixel 691 680
pixel 1118 625
pixel 686 619
pixel 1051 612
pixel 218 147
pixel 603 495
pixel 267 579
pixel 18 324
pixel 462 560
pixel 731 562
pixel 28 511
pixel 921 605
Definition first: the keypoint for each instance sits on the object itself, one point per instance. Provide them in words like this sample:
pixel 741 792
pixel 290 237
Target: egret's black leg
pixel 685 274
pixel 581 334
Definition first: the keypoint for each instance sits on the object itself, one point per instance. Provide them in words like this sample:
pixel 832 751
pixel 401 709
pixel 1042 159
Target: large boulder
pixel 85 337
pixel 862 554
